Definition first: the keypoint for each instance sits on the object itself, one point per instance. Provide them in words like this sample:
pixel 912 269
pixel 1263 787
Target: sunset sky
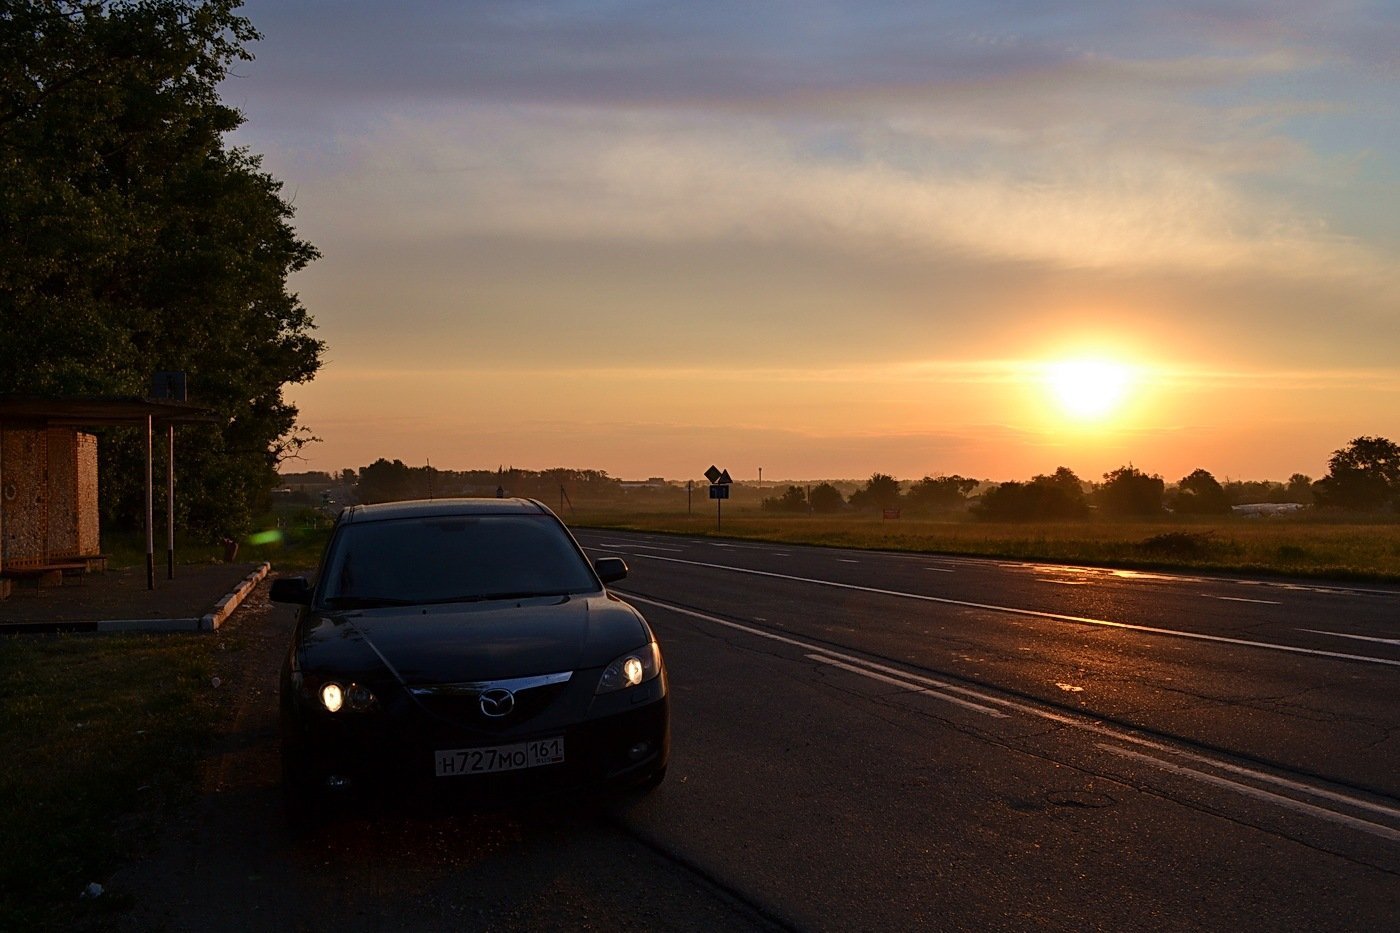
pixel 827 239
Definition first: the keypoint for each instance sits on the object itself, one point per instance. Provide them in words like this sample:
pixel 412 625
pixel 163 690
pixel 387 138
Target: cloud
pixel 555 174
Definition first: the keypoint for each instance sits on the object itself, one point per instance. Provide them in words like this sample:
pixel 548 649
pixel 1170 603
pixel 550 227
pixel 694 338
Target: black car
pixel 466 647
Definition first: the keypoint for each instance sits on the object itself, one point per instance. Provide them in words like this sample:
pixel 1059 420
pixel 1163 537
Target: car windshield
pixel 413 561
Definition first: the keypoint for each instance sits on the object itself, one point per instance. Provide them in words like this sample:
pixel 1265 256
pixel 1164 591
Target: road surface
pixel 868 741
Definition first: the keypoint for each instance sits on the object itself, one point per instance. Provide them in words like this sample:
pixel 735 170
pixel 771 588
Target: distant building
pixel 1263 509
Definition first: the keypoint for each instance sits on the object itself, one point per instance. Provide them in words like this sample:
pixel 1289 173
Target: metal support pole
pixel 170 504
pixel 689 487
pixel 150 507
pixel 718 509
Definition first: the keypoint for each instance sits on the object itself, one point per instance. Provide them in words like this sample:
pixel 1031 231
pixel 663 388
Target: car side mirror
pixel 291 590
pixel 610 569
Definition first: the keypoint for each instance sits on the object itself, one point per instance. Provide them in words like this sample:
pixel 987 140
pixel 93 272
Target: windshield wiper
pixel 366 602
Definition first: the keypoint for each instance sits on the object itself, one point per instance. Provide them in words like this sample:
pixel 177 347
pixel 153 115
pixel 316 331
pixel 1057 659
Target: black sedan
pixel 466 646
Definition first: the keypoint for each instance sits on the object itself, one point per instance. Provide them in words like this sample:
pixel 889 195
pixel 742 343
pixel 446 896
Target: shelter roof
pixel 90 411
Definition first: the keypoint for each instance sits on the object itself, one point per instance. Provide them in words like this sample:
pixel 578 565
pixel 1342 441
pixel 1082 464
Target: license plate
pixel 493 759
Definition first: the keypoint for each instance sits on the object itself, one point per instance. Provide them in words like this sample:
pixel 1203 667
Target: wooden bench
pixel 49 574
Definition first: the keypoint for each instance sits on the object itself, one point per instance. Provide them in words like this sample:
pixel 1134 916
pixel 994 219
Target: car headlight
pixel 633 668
pixel 334 697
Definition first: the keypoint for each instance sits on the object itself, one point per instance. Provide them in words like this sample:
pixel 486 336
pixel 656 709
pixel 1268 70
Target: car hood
pixel 465 642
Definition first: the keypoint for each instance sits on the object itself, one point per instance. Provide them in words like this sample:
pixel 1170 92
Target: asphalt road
pixel 880 741
pixel 868 741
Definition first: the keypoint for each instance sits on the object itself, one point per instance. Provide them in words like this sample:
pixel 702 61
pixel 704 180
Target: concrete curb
pixel 207 623
pixel 224 607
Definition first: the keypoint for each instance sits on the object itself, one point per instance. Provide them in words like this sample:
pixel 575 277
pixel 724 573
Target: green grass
pixel 290 540
pixel 1309 546
pixel 100 736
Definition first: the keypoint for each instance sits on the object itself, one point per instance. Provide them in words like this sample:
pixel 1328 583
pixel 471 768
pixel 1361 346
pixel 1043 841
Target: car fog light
pixel 332 697
pixel 639 751
pixel 336 782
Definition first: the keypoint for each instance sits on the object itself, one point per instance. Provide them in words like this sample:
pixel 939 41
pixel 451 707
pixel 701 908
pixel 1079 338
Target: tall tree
pixel 826 498
pixel 1200 493
pixel 940 493
pixel 881 491
pixel 1129 492
pixel 793 499
pixel 1363 475
pixel 133 239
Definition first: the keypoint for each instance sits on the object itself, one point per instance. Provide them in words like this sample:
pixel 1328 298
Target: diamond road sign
pixel 712 474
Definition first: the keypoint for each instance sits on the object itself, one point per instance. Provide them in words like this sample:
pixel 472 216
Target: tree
pixel 826 498
pixel 941 493
pixel 1130 493
pixel 132 240
pixel 1300 489
pixel 881 491
pixel 1362 476
pixel 1058 496
pixel 1200 494
pixel 793 499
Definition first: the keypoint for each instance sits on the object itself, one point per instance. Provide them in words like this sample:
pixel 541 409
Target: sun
pixel 1088 388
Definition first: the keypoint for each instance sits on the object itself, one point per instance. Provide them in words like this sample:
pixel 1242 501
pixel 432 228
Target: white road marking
pixel 846 560
pixel 831 656
pixel 1038 614
pixel 628 545
pixel 1383 641
pixel 1366 826
pixel 1062 582
pixel 1132 575
pixel 941 569
pixel 1241 599
pixel 976 707
pixel 905 678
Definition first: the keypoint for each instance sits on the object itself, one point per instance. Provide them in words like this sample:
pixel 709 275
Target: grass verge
pixel 100 738
pixel 1301 547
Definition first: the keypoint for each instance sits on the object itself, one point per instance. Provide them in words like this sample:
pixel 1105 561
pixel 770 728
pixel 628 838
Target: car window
pixel 451 558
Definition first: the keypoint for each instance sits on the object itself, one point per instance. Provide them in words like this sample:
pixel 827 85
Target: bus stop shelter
pixel 48 476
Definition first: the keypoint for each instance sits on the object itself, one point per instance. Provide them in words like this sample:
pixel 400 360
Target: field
pixel 1304 546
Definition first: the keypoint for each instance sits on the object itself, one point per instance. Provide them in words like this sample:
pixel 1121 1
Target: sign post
pixel 719 490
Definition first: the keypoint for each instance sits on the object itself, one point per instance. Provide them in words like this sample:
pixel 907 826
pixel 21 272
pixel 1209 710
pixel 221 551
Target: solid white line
pixel 1035 613
pixel 847 560
pixel 1375 829
pixel 1383 641
pixel 628 545
pixel 1241 599
pixel 941 569
pixel 977 707
pixel 1078 722
pixel 809 646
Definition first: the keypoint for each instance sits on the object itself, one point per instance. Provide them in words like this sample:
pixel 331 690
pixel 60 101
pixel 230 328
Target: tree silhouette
pixel 1364 475
pixel 1129 492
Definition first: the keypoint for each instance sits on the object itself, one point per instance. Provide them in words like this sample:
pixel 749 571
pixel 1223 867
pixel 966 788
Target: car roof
pixel 429 508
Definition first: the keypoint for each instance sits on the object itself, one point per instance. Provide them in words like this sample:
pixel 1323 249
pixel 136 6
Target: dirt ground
pixel 231 862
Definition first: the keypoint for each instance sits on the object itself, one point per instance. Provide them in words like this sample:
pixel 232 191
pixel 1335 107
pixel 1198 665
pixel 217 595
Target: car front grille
pixel 498 704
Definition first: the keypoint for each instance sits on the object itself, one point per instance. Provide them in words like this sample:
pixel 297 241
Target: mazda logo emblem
pixel 497 702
